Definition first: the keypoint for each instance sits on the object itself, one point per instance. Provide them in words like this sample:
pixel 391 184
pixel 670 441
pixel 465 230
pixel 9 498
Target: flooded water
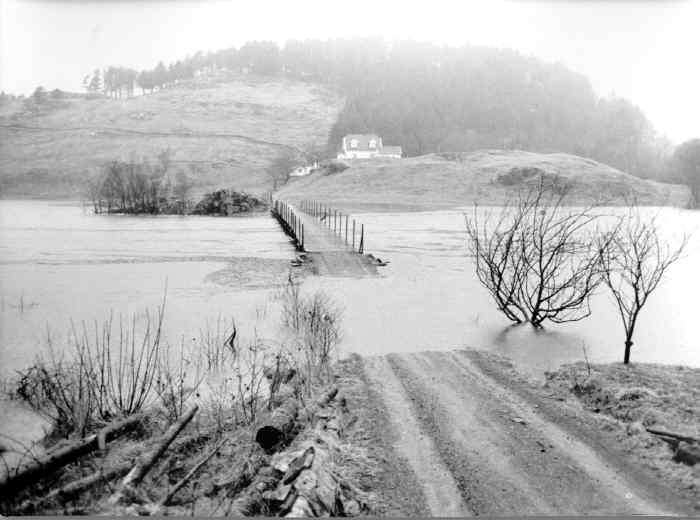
pixel 59 263
pixel 429 298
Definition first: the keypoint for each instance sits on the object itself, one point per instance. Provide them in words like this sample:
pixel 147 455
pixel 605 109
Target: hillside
pixel 223 133
pixel 487 177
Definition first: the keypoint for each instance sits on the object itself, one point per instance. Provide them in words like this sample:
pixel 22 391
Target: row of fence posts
pixel 290 222
pixel 338 222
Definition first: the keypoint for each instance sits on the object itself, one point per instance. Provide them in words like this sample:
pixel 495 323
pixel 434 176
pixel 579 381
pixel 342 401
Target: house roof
pixel 362 141
pixel 390 150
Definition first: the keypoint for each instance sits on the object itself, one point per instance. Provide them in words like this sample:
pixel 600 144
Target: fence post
pixel 353 234
pixel 362 240
pixel 346 229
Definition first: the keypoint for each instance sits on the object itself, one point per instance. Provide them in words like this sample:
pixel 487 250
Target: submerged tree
pixel 537 260
pixel 634 259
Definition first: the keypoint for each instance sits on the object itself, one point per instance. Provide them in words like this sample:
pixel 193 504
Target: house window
pixel 373 143
pixel 353 143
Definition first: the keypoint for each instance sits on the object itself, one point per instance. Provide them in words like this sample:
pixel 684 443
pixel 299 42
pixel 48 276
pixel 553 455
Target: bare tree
pixel 537 260
pixel 281 167
pixel 634 259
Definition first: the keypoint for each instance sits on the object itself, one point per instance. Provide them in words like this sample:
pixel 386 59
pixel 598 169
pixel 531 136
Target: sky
pixel 647 51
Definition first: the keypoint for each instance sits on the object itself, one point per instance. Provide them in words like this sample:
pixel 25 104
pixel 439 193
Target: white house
pixel 302 171
pixel 367 146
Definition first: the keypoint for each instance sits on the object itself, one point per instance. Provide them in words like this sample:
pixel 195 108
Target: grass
pixel 224 132
pixel 640 396
pixel 440 181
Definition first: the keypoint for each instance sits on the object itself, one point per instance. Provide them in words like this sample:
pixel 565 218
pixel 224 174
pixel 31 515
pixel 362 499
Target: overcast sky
pixel 646 51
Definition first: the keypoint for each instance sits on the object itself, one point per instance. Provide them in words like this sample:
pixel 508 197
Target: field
pixel 438 181
pixel 222 132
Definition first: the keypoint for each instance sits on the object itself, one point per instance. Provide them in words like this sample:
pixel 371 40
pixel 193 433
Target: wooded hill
pixel 230 115
pixel 444 99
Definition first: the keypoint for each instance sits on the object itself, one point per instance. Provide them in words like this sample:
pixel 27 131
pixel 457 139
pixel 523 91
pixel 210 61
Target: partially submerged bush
pixel 316 320
pixel 105 376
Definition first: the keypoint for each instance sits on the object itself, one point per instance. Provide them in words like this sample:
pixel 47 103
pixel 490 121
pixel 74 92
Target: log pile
pixel 41 467
pixel 305 484
pixel 276 478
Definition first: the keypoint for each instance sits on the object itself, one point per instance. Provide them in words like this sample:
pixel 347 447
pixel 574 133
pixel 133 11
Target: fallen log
pixel 46 465
pixel 277 429
pixel 184 480
pixel 76 487
pixel 678 436
pixel 146 462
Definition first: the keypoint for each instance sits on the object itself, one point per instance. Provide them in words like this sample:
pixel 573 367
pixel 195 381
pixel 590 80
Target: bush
pixel 99 380
pixel 316 320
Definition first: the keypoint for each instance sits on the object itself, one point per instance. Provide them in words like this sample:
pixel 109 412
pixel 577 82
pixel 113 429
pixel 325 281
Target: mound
pixel 221 132
pixel 486 177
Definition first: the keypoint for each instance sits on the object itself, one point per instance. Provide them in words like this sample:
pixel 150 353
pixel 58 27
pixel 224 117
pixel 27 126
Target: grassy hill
pixel 223 132
pixel 486 177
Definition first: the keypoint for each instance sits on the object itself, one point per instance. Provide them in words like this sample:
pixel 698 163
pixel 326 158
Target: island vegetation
pixel 150 188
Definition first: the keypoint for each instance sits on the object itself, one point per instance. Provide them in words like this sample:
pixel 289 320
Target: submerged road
pixel 329 254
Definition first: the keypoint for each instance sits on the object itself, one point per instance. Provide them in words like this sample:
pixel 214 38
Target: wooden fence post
pixel 346 229
pixel 353 234
pixel 362 240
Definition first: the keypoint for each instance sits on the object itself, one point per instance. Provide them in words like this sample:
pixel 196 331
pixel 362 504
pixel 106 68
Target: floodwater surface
pixel 59 263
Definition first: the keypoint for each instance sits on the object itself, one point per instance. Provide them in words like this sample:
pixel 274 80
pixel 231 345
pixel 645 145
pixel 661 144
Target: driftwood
pixel 672 435
pixel 280 425
pixel 76 487
pixel 184 480
pixel 43 466
pixel 241 477
pixel 145 463
pixel 686 449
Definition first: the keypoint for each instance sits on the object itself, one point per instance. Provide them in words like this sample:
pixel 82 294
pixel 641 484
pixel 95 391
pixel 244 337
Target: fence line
pixel 325 214
pixel 291 224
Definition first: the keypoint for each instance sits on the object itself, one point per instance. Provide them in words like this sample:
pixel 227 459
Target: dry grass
pixel 639 396
pixel 449 180
pixel 198 121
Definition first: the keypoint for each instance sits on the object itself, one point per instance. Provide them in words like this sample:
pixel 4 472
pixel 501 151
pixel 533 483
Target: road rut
pixel 476 447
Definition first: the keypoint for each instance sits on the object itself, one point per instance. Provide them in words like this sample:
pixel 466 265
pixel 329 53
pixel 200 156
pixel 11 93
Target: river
pixel 59 263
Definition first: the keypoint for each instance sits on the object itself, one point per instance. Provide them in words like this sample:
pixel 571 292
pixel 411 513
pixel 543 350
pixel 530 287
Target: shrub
pixel 104 376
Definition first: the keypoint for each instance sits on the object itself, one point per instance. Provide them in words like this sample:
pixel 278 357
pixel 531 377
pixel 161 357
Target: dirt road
pixel 461 438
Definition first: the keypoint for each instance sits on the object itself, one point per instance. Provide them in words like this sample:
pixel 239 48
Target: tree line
pixel 432 99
